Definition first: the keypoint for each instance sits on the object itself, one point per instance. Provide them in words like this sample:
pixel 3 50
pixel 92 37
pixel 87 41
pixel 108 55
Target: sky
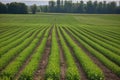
pixel 55 0
pixel 44 2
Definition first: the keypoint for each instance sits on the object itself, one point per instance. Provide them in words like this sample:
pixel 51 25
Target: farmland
pixel 59 46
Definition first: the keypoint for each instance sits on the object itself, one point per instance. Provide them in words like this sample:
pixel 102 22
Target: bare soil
pixel 40 73
pixel 62 60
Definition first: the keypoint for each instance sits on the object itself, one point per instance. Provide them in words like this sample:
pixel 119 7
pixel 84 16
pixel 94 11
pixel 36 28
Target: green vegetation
pixel 72 72
pixel 112 66
pixel 30 69
pixel 105 52
pixel 82 37
pixel 53 67
pixel 12 69
pixel 92 71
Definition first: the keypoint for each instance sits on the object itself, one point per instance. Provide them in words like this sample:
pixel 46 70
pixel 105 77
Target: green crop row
pixel 32 66
pixel 112 66
pixel 14 67
pixel 15 51
pixel 4 32
pixel 72 72
pixel 108 35
pixel 53 67
pixel 10 36
pixel 114 32
pixel 97 35
pixel 112 35
pixel 105 37
pixel 103 43
pixel 13 44
pixel 9 33
pixel 13 38
pixel 92 71
pixel 105 52
pixel 107 47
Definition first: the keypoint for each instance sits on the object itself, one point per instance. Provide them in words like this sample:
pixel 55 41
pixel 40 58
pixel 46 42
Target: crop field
pixel 59 46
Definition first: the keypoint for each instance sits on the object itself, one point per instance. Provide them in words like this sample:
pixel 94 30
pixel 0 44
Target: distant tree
pixel 81 7
pixel 44 8
pixel 68 6
pixel 38 9
pixel 95 6
pixel 100 8
pixel 17 8
pixel 61 3
pixel 33 8
pixel 29 9
pixel 89 7
pixel 118 9
pixel 75 7
pixel 65 6
pixel 58 6
pixel 62 6
pixel 112 7
pixel 41 8
pixel 3 8
pixel 51 6
pixel 104 7
pixel 22 8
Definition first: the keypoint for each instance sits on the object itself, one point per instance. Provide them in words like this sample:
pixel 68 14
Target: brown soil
pixel 28 59
pixel 39 74
pixel 12 59
pixel 62 60
pixel 79 66
pixel 109 75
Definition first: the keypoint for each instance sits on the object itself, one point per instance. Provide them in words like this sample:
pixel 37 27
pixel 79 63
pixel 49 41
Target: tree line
pixel 13 8
pixel 60 6
pixel 17 8
pixel 67 6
